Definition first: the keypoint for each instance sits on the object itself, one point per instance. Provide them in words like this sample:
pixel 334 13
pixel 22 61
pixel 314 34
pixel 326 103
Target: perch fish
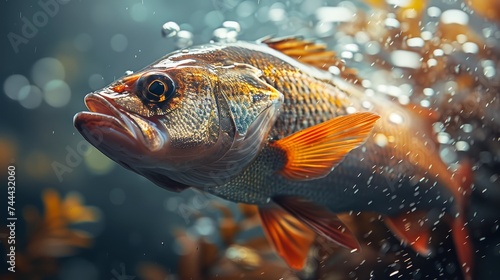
pixel 264 123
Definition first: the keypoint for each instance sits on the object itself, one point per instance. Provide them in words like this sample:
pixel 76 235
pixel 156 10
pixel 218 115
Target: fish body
pixel 264 124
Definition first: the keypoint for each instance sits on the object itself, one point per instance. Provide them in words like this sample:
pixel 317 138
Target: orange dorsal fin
pixel 412 229
pixel 313 152
pixel 464 179
pixel 290 237
pixel 311 53
pixel 320 220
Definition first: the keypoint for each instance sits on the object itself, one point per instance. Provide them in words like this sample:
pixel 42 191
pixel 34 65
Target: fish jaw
pixel 125 137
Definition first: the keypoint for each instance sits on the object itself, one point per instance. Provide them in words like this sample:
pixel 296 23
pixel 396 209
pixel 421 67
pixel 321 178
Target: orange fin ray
pixel 412 229
pixel 290 237
pixel 313 152
pixel 463 245
pixel 311 53
pixel 464 179
pixel 320 220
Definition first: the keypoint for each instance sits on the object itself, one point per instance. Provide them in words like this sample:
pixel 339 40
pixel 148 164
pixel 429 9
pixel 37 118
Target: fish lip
pixel 137 128
pixel 100 106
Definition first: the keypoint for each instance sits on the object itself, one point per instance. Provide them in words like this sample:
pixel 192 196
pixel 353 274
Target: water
pixel 86 45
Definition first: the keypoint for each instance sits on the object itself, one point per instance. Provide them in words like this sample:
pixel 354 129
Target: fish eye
pixel 156 87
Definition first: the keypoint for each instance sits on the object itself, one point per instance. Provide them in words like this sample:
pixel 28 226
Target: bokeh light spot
pixel 46 70
pixel 97 162
pixel 30 97
pixel 119 43
pixel 13 84
pixel 57 93
pixel 139 12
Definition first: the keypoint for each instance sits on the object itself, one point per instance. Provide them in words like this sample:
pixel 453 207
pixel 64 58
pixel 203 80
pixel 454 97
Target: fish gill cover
pixel 76 214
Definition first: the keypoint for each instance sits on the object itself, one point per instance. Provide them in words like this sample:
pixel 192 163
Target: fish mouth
pixel 108 128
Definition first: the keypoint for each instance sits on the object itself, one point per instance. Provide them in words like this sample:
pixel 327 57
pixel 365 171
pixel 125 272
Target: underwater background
pixel 81 216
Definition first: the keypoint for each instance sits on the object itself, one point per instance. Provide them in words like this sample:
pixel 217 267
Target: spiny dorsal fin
pixel 311 53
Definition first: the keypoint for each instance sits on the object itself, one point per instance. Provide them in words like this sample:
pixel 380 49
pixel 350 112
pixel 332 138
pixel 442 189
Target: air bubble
pixel 454 16
pixel 470 47
pixel 334 70
pixel 489 71
pixel 438 52
pixel 372 48
pixel 406 59
pixel 228 33
pixel 170 29
pixel 443 137
pixel 428 91
pixel 467 128
pixel 391 23
pixel 434 11
pixel 462 146
pixel 184 39
pixel 277 12
pixel 335 14
pixel 415 42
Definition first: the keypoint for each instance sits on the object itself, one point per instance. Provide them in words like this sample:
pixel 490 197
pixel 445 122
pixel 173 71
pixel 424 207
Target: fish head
pixel 170 123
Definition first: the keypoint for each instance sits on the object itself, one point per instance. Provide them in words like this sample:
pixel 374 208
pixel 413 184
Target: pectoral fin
pixel 320 220
pixel 313 152
pixel 290 237
pixel 412 229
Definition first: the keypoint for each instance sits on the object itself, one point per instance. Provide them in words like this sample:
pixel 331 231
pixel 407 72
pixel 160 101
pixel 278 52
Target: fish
pixel 266 123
